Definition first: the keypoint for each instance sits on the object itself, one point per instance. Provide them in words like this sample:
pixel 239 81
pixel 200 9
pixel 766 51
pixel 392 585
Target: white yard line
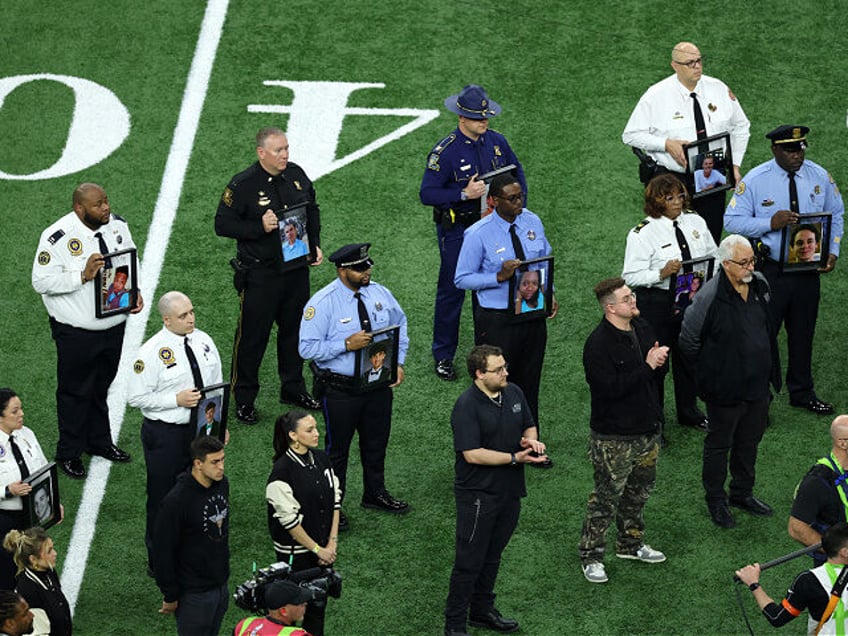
pixel 85 518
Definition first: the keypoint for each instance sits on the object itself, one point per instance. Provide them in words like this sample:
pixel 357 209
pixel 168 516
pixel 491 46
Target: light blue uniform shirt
pixel 487 245
pixel 765 190
pixel 331 316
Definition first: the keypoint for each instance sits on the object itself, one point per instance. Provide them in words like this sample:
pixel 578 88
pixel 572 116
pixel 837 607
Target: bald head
pixel 169 300
pixel 177 312
pixel 839 429
pixel 687 64
pixel 682 51
pixel 85 191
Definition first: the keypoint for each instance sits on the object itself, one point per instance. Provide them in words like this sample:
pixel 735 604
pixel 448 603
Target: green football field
pixel 159 101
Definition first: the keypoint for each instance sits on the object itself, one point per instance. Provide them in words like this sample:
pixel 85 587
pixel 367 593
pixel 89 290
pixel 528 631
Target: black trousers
pixel 166 455
pixel 313 620
pixel 86 364
pixel 370 415
pixel 735 431
pixel 655 307
pixel 484 526
pixel 269 297
pixel 523 345
pixel 795 303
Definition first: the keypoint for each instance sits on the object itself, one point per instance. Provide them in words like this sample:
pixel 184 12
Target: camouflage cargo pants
pixel 625 472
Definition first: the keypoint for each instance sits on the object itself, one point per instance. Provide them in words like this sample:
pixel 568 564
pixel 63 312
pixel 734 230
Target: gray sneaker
pixel 595 573
pixel 645 553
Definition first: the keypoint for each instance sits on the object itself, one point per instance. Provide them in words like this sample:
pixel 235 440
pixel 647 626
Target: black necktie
pixel 700 125
pixel 364 320
pixel 19 457
pixel 195 368
pixel 104 250
pixel 516 243
pixel 685 254
pixel 793 194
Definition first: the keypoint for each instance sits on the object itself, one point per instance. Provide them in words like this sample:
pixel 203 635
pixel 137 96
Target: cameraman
pixel 286 603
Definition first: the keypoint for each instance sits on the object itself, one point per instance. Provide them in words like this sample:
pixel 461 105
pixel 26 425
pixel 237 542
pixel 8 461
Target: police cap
pixel 354 255
pixel 281 593
pixel 789 137
pixel 473 102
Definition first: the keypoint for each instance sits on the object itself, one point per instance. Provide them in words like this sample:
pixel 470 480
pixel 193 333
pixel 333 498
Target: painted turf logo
pixel 100 123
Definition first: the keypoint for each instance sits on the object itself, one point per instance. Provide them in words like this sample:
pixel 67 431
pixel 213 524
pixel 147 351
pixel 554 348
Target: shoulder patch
pixel 433 161
pixel 730 94
pixel 227 197
pixel 309 313
pixel 75 246
pixel 639 227
pixel 43 257
pixel 740 188
pixel 55 237
pixel 138 366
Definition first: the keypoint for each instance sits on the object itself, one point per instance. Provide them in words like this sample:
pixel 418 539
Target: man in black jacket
pixel 191 552
pixel 622 360
pixel 730 341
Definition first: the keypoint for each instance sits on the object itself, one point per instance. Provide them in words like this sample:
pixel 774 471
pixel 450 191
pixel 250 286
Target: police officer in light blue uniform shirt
pixel 451 186
pixel 760 209
pixel 331 334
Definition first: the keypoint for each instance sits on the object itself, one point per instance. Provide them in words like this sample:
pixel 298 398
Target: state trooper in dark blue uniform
pixel 338 322
pixel 451 186
pixel 760 209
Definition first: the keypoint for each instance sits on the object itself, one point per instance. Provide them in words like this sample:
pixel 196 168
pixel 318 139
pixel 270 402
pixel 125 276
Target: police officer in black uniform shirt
pixel 270 288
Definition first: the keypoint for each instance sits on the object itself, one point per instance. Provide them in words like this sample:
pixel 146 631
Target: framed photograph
pixel 116 284
pixel 710 162
pixel 42 504
pixel 209 417
pixel 376 365
pixel 294 237
pixel 688 281
pixel 531 289
pixel 805 245
pixel 487 177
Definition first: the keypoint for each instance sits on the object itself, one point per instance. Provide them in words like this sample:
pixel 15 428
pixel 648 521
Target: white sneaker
pixel 645 553
pixel 595 573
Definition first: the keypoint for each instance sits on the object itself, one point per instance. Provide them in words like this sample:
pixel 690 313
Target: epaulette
pixel 639 227
pixel 119 217
pixel 55 236
pixel 444 143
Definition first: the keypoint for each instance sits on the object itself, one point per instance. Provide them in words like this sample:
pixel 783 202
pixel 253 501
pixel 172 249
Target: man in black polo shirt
pixel 494 434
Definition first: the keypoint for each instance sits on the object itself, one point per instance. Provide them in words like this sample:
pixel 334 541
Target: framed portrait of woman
pixel 376 365
pixel 116 284
pixel 42 504
pixel 209 417
pixel 805 245
pixel 688 282
pixel 531 289
pixel 710 162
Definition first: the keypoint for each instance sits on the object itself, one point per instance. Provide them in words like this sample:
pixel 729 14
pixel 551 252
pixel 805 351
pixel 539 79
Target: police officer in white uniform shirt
pixel 166 388
pixel 70 253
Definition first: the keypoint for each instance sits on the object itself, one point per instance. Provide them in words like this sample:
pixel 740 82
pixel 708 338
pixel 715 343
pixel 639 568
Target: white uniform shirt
pixel 665 111
pixel 161 370
pixel 63 251
pixel 9 470
pixel 652 243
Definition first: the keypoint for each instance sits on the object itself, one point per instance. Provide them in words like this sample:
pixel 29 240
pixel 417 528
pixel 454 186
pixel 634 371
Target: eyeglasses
pixel 680 196
pixel 692 63
pixel 499 370
pixel 629 298
pixel 515 198
pixel 746 264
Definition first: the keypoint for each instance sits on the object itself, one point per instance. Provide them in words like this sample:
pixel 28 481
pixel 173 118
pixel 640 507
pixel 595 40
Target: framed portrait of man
pixel 531 289
pixel 41 506
pixel 116 284
pixel 688 282
pixel 376 365
pixel 710 162
pixel 805 245
pixel 294 236
pixel 209 417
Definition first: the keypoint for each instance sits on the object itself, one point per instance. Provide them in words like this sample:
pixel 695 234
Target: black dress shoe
pixel 385 502
pixel 721 515
pixel 753 505
pixel 813 404
pixel 344 524
pixel 701 424
pixel 73 468
pixel 113 454
pixel 246 414
pixel 445 370
pixel 303 400
pixel 494 621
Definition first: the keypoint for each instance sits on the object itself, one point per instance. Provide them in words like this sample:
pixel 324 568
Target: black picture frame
pixel 106 302
pixel 295 247
pixel 488 176
pixel 385 341
pixel 819 225
pixel 217 396
pixel 528 307
pixel 42 505
pixel 682 283
pixel 722 177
